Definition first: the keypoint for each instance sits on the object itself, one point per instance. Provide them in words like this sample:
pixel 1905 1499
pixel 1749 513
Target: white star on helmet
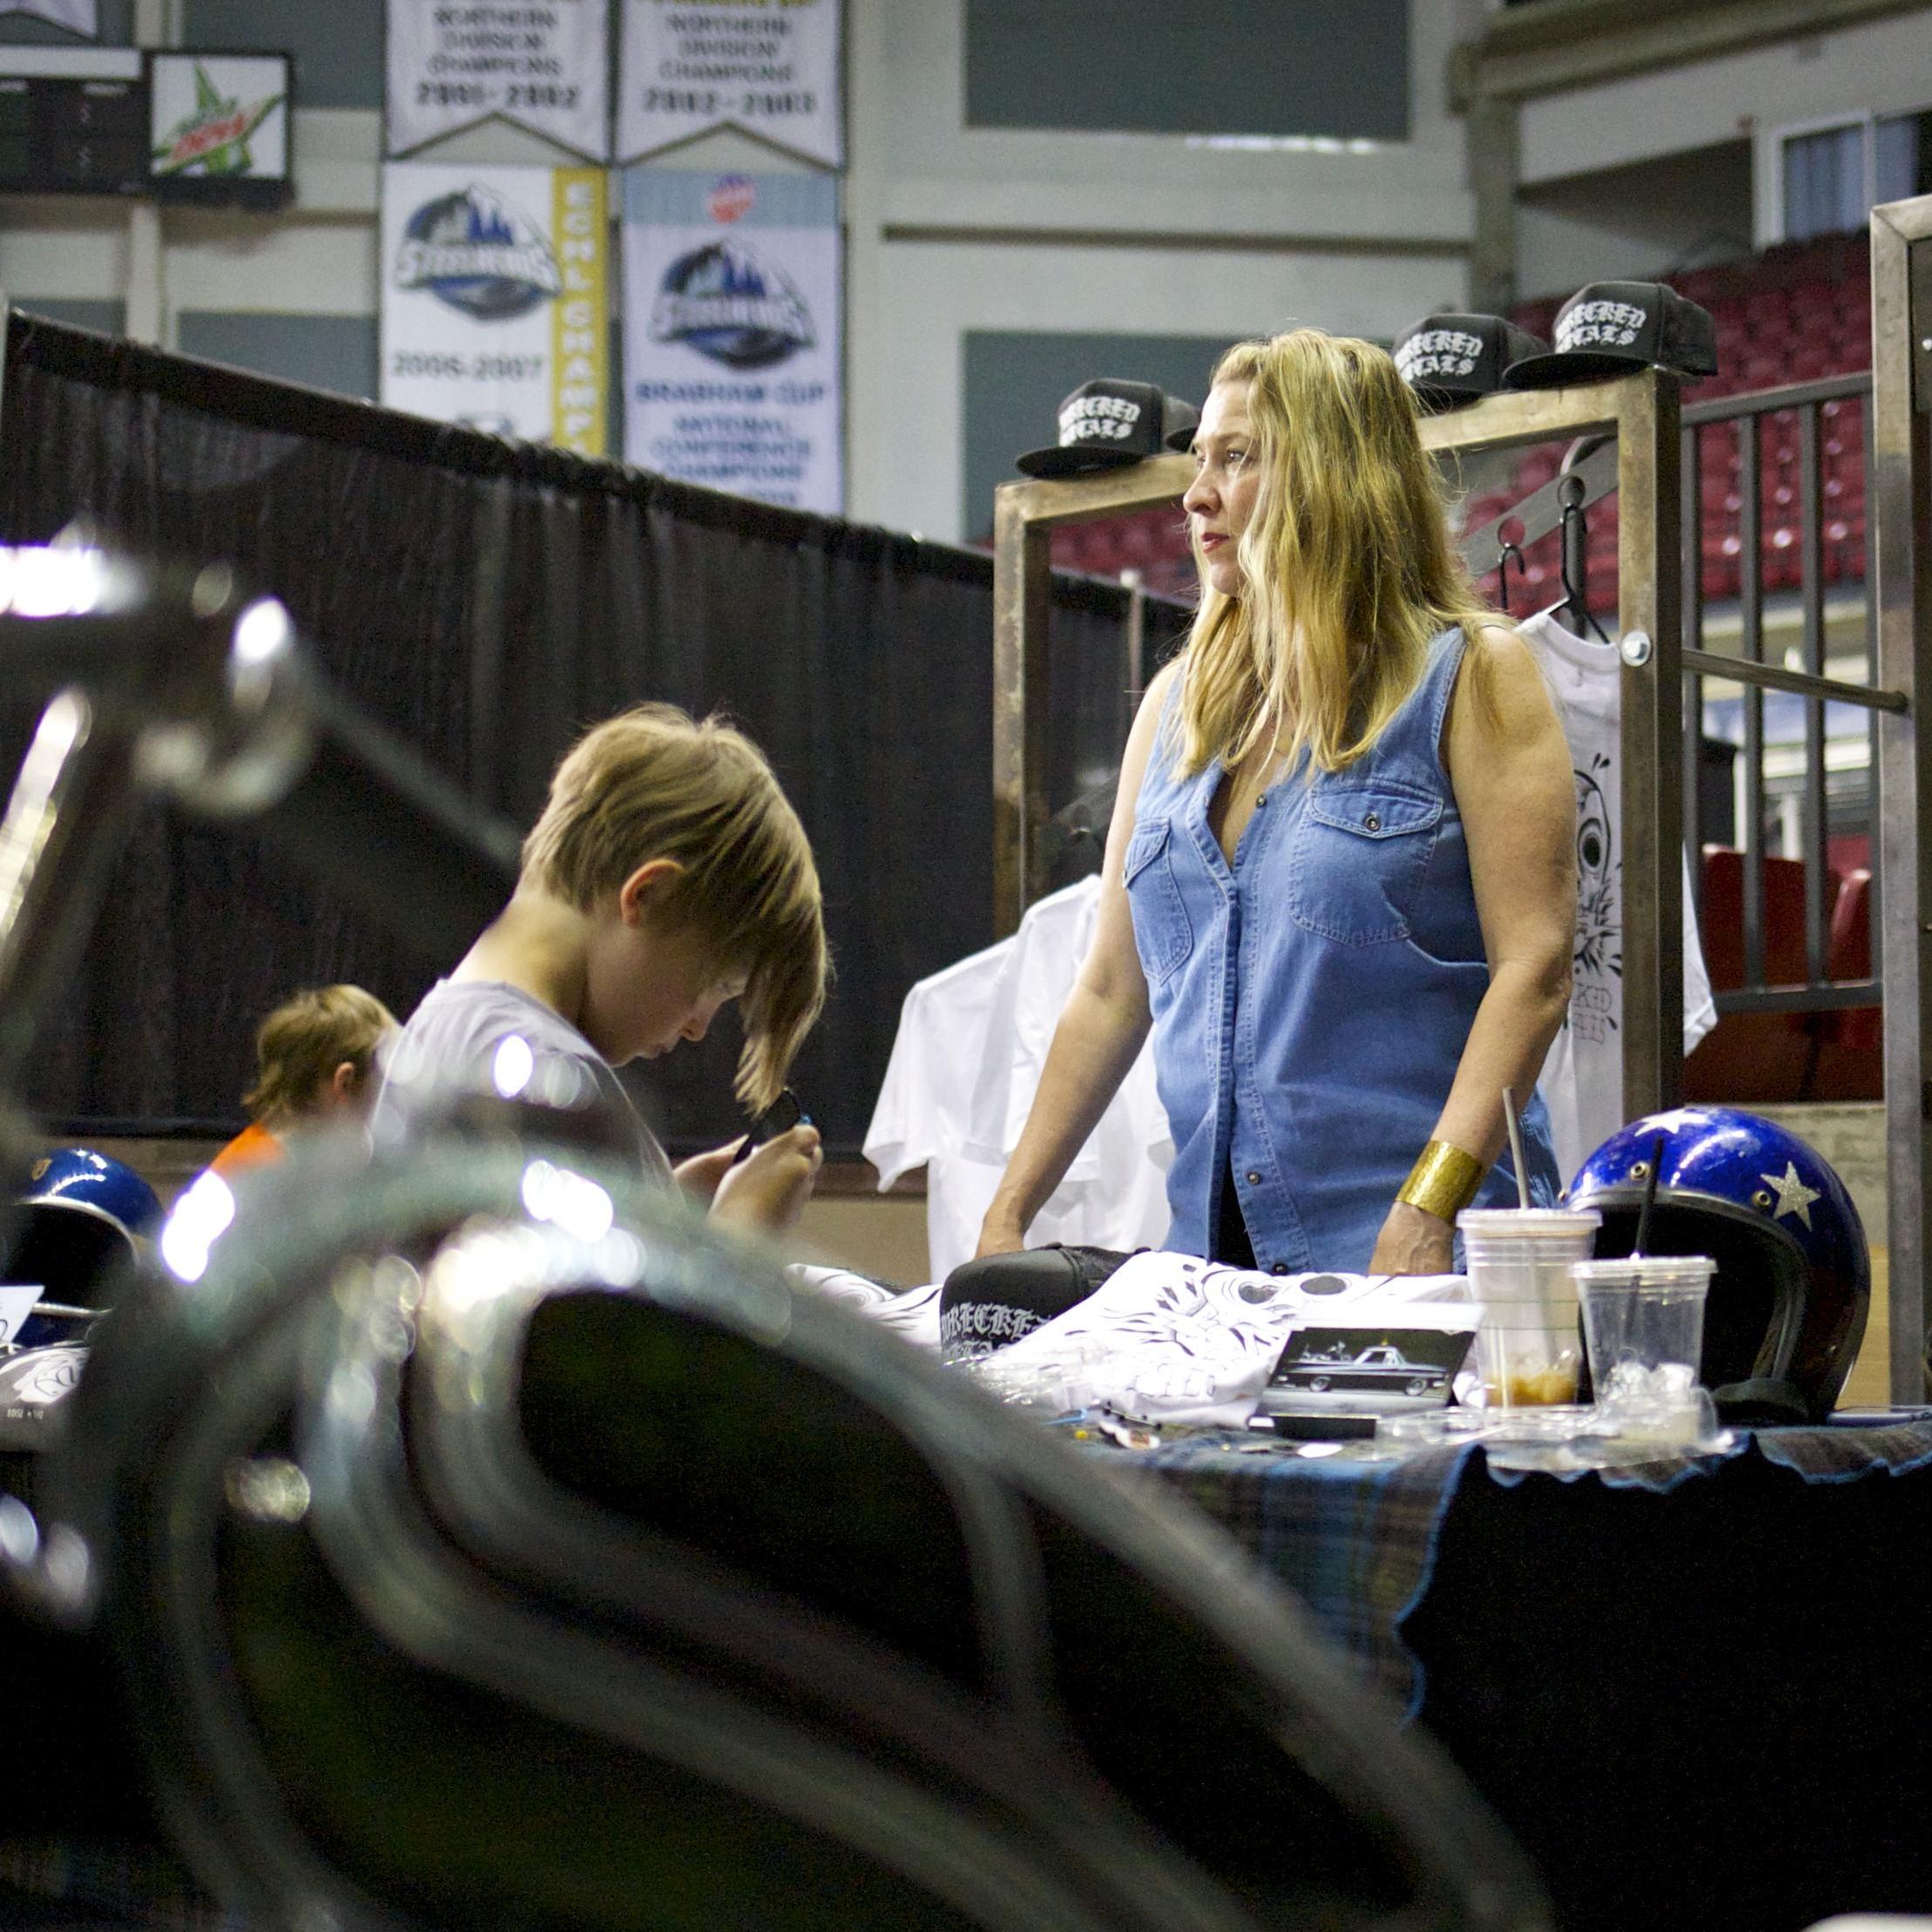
pixel 1794 1197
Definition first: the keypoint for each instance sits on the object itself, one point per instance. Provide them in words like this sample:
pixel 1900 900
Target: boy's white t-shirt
pixel 1583 1079
pixel 456 1040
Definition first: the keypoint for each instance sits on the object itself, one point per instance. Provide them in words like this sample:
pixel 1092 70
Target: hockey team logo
pixel 731 197
pixel 475 251
pixel 732 307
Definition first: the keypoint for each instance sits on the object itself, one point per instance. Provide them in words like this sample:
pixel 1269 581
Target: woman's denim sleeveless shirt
pixel 1311 1003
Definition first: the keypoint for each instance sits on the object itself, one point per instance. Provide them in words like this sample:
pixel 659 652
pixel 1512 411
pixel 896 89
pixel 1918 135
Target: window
pixel 1329 69
pixel 1901 156
pixel 1830 177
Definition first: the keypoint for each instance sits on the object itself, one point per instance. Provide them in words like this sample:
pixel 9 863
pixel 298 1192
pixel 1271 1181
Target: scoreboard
pixel 210 127
pixel 62 135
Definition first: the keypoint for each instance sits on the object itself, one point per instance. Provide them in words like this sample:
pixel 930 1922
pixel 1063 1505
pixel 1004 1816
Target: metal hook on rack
pixel 1503 557
pixel 1573 556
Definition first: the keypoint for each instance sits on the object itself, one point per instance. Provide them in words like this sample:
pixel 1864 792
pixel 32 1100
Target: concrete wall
pixel 956 230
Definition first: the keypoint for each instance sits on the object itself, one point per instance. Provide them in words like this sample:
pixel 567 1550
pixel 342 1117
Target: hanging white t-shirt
pixel 1115 1190
pixel 1583 1079
pixel 957 1088
pixel 919 1119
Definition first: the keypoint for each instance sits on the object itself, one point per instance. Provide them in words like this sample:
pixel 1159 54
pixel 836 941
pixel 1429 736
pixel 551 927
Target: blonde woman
pixel 1339 882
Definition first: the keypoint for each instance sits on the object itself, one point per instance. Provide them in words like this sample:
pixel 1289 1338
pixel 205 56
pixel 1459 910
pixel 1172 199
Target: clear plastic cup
pixel 1519 1262
pixel 1644 1322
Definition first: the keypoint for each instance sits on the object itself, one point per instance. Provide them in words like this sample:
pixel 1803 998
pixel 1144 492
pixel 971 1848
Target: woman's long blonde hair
pixel 1347 566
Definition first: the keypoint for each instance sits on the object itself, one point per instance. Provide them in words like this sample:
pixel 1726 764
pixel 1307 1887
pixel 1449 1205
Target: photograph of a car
pixel 1381 1365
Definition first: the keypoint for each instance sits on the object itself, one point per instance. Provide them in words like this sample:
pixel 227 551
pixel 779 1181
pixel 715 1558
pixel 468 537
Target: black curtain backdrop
pixel 489 600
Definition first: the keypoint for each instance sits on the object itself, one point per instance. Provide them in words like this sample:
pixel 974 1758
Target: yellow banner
pixel 580 331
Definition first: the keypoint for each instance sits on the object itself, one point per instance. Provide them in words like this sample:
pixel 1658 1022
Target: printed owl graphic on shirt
pixel 1597 967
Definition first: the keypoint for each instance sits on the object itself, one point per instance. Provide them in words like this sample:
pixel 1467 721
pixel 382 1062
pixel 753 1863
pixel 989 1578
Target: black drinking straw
pixel 1516 1146
pixel 1650 1199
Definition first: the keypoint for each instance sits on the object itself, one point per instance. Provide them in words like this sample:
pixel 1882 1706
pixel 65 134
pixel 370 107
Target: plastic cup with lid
pixel 1528 1347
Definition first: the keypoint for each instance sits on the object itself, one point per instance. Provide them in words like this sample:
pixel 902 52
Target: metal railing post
pixel 1023 515
pixel 1022 611
pixel 1900 519
pixel 1650 575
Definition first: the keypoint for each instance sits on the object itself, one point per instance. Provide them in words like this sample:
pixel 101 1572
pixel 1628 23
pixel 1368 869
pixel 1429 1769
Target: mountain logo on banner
pixel 476 251
pixel 730 305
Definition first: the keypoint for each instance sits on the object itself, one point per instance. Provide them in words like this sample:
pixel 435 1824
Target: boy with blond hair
pixel 667 876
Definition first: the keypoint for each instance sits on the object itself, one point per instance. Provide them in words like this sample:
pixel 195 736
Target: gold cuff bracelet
pixel 1443 1180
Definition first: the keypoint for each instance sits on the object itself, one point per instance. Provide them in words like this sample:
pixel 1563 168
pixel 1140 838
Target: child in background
pixel 315 1066
pixel 668 876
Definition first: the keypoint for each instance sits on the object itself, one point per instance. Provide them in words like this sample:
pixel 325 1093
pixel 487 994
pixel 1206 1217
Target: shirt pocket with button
pixel 1360 854
pixel 1164 935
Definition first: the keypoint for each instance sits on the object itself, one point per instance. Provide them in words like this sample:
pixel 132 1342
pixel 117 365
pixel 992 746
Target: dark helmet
pixel 1793 1280
pixel 82 1215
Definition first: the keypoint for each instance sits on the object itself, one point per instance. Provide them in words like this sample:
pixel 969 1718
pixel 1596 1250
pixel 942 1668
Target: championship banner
pixel 541 64
pixel 80 16
pixel 771 67
pixel 731 332
pixel 496 299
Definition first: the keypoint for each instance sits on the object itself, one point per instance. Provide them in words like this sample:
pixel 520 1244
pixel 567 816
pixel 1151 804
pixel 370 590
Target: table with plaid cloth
pixel 1353 1533
pixel 1700 1691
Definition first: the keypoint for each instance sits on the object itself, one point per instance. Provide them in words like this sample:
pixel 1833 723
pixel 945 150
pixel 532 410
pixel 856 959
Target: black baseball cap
pixel 1449 360
pixel 1108 423
pixel 1612 328
pixel 990 1302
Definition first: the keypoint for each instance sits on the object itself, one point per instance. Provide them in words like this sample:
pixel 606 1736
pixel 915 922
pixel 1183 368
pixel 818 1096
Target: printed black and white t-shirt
pixel 1583 1079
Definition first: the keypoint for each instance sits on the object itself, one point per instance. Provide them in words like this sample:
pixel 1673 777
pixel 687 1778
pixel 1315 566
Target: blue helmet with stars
pixel 81 1214
pixel 1794 1277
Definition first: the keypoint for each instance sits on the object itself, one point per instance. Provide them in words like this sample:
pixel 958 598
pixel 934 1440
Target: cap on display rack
pixel 1449 360
pixel 1612 328
pixel 1108 423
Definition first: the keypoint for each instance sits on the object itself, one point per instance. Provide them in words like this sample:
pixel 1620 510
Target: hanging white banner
pixel 543 63
pixel 731 332
pixel 495 299
pixel 771 67
pixel 81 17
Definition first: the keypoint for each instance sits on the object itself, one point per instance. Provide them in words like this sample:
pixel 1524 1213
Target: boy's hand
pixel 769 1191
pixel 699 1175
